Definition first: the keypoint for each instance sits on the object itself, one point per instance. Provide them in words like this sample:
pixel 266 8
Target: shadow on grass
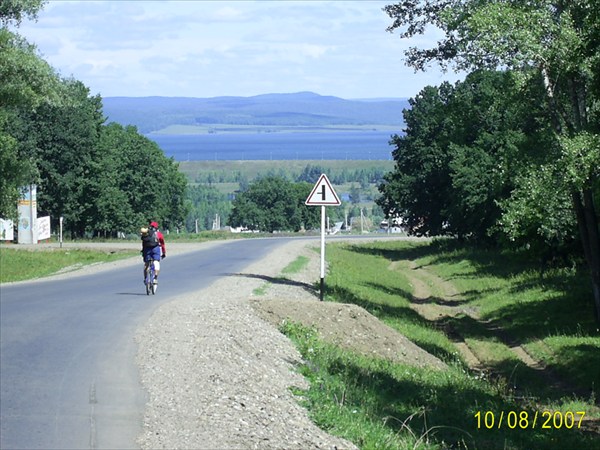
pixel 566 309
pixel 444 407
pixel 398 292
pixel 570 310
pixel 571 357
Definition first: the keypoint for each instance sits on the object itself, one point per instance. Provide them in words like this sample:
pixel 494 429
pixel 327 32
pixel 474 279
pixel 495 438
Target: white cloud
pixel 211 48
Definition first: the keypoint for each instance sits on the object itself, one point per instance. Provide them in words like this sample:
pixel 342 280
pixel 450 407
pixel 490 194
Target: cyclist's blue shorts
pixel 150 254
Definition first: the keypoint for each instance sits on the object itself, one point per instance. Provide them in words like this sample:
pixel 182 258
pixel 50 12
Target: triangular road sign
pixel 323 194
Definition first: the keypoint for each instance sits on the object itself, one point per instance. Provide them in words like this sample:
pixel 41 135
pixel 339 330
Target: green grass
pixel 261 290
pixel 295 266
pixel 18 265
pixel 380 405
pixel 253 169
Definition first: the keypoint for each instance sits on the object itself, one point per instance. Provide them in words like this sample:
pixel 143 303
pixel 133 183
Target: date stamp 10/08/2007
pixel 545 420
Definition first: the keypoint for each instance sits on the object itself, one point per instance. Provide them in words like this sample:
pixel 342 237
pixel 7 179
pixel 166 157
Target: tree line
pixel 309 173
pixel 270 203
pixel 101 178
pixel 512 153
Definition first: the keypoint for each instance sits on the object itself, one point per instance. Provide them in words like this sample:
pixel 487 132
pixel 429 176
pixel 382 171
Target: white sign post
pixel 323 195
pixel 27 209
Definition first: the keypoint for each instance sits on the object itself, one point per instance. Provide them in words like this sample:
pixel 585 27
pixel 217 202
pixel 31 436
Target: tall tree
pixel 417 188
pixel 134 182
pixel 26 82
pixel 558 42
pixel 273 204
pixel 456 159
pixel 61 139
pixel 65 151
pixel 206 202
pixel 14 11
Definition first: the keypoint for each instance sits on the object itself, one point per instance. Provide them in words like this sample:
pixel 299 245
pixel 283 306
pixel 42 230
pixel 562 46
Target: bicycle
pixel 151 286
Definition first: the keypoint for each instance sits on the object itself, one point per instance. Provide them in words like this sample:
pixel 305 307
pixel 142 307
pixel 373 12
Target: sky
pixel 229 48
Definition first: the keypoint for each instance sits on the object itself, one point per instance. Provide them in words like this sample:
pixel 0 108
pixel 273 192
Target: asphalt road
pixel 68 377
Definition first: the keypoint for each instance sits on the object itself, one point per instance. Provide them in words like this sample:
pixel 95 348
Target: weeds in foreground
pixel 380 405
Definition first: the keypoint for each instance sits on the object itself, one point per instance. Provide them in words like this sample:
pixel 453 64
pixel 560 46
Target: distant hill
pixel 307 109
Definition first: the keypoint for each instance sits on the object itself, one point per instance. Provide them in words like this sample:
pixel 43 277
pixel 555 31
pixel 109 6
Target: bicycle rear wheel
pixel 152 276
pixel 149 278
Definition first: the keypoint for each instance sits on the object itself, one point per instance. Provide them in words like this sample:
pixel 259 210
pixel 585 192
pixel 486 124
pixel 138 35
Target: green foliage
pixel 26 82
pixel 16 10
pixel 243 172
pixel 538 206
pixel 361 275
pixel 136 182
pixel 274 204
pixel 61 140
pixel 206 202
pixel 458 158
pixel 101 179
pixel 515 34
pixel 9 184
pixel 379 405
pixel 52 133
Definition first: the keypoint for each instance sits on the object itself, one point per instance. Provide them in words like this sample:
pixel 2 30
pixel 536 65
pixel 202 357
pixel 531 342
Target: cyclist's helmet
pixel 154 224
pixel 143 231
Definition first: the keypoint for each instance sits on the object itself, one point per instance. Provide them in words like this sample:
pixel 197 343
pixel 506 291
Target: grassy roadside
pixel 534 373
pixel 19 265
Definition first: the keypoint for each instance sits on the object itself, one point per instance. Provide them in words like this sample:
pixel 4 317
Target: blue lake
pixel 351 145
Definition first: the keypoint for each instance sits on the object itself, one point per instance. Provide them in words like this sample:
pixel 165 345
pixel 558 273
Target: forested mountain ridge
pixel 150 114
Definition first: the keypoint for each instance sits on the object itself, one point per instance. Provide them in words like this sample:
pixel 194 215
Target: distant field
pixel 222 170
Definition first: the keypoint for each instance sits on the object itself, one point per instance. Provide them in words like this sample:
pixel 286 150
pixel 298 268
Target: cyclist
pixel 153 248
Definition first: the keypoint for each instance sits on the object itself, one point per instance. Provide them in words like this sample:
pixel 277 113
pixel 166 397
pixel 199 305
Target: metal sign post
pixel 322 286
pixel 323 195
